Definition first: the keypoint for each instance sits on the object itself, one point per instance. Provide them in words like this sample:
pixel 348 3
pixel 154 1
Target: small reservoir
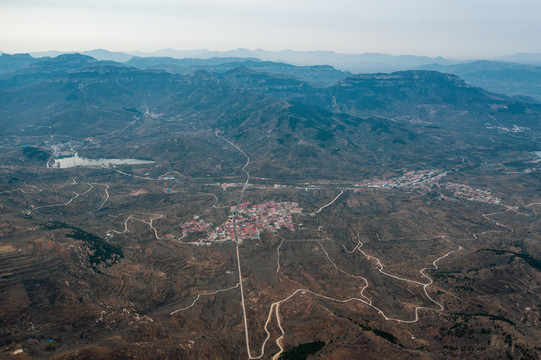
pixel 77 160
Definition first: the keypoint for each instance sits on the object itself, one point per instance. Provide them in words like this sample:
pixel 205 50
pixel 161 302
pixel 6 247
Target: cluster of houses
pixel 472 194
pixel 422 179
pixel 251 221
pixel 195 226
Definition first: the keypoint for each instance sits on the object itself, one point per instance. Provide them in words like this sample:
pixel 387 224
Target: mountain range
pixel 516 75
pixel 314 110
pixel 397 212
pixel 498 76
pixel 367 62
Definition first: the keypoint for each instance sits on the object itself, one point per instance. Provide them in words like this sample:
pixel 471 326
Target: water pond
pixel 77 160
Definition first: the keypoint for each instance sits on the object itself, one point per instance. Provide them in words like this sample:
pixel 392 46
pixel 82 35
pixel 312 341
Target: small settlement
pixel 251 222
pixel 422 179
pixel 472 194
pixel 426 181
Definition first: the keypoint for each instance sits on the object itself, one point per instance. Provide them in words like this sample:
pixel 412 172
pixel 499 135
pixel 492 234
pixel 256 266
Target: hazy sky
pixel 451 28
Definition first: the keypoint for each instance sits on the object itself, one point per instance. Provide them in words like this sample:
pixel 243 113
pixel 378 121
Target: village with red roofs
pixel 251 221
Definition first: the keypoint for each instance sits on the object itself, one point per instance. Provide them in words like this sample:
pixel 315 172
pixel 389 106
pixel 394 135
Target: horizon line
pixel 136 52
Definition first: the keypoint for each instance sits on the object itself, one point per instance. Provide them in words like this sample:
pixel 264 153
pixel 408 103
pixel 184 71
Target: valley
pixel 383 216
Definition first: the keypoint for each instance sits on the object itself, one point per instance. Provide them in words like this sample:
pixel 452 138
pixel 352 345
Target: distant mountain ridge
pixel 497 76
pixel 523 58
pixel 357 63
pixel 9 63
pixel 99 54
pixel 319 75
pixel 514 79
pixel 365 62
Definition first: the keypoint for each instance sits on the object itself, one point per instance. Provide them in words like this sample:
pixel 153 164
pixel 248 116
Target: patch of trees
pixel 100 251
pixel 533 262
pixel 302 351
pixel 467 317
pixel 381 333
pixel 35 153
